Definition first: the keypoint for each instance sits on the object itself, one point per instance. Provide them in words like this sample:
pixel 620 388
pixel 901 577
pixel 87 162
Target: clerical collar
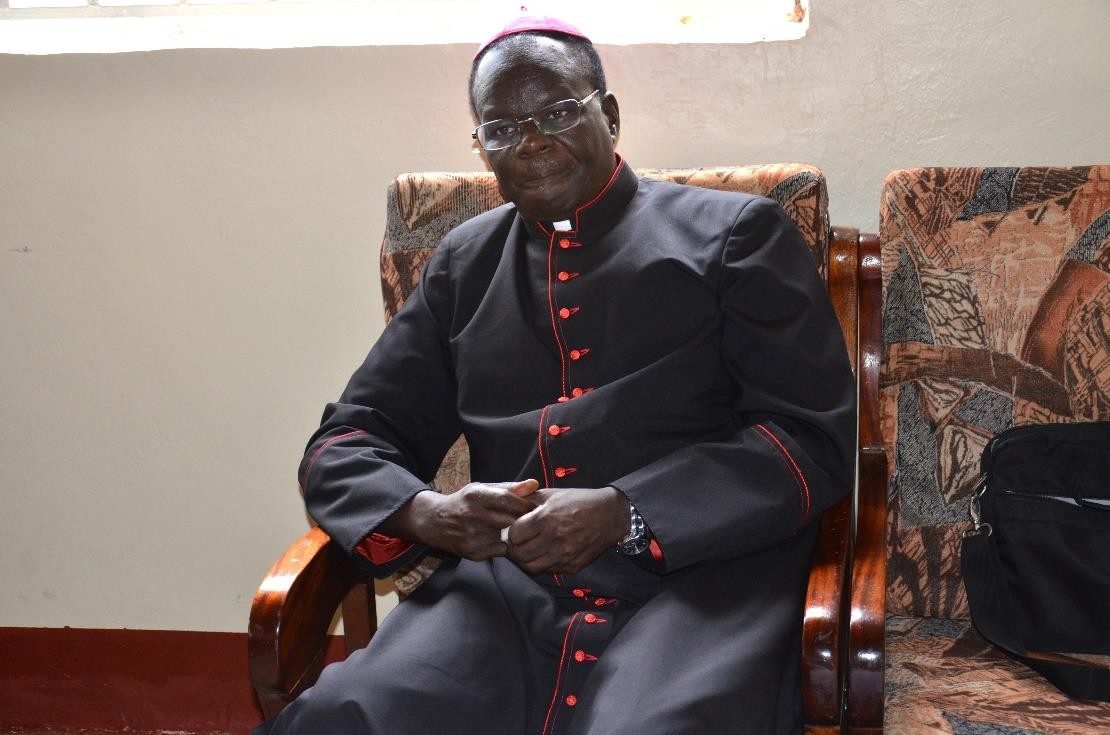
pixel 599 214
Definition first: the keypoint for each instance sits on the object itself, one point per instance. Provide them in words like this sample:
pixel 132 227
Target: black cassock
pixel 675 343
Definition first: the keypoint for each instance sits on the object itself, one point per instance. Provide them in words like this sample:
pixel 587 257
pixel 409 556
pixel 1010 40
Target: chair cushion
pixel 423 207
pixel 996 291
pixel 942 677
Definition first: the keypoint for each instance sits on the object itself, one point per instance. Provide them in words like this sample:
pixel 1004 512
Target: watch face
pixel 634 546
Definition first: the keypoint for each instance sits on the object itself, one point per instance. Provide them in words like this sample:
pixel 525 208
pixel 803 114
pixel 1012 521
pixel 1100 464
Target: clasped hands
pixel 549 530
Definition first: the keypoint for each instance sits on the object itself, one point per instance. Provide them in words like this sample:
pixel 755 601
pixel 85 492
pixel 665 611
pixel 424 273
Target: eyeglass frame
pixel 532 118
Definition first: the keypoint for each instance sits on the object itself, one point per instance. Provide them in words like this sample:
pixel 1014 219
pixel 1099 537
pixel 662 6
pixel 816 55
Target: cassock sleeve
pixel 790 452
pixel 382 441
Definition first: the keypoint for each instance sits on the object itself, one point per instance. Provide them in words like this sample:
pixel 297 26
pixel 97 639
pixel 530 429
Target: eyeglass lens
pixel 555 118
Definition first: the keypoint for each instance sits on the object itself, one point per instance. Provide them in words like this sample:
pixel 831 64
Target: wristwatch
pixel 636 542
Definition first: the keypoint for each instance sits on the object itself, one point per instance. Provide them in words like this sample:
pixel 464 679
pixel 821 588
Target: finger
pixel 524 488
pixel 525 552
pixel 540 549
pixel 546 562
pixel 496 485
pixel 488 551
pixel 505 502
pixel 541 496
pixel 524 558
pixel 519 488
pixel 495 520
pixel 526 528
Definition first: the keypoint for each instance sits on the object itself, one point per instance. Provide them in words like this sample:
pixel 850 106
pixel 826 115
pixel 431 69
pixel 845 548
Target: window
pixel 99 26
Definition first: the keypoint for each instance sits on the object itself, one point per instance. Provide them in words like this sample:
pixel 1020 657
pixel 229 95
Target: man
pixel 658 405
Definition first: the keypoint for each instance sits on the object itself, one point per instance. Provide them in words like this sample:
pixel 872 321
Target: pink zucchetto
pixel 532 23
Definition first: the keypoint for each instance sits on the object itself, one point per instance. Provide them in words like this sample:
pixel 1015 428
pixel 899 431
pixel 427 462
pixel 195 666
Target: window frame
pixel 98 28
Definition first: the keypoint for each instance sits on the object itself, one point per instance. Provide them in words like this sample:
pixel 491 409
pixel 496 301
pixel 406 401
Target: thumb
pixel 524 488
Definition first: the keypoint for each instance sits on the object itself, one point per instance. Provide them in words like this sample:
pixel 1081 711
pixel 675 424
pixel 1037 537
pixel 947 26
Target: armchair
pixel 994 312
pixel 296 601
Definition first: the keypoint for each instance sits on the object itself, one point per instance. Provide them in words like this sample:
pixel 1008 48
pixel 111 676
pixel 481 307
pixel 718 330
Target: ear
pixel 612 112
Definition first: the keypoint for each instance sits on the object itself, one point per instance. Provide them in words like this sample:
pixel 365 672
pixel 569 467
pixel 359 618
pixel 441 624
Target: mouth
pixel 540 172
pixel 539 178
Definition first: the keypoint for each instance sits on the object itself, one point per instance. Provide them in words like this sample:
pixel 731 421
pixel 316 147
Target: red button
pixel 579 354
pixel 590 618
pixel 577 392
pixel 563 399
pixel 579 655
pixel 554 430
pixel 564 471
pixel 578 592
pixel 566 313
pixel 567 275
pixel 571 700
pixel 565 243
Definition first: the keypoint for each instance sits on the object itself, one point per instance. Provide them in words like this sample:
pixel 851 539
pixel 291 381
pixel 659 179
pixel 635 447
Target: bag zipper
pixel 1093 503
pixel 986 464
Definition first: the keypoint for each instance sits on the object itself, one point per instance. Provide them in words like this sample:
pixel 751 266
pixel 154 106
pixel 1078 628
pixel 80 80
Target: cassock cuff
pixel 381 554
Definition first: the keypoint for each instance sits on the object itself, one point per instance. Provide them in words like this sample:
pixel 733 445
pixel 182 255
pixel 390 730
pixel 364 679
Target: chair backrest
pixel 423 207
pixel 996 313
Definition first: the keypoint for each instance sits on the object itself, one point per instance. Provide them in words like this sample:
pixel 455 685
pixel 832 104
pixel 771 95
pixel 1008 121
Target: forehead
pixel 522 72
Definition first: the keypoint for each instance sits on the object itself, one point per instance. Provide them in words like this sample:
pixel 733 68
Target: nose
pixel 531 139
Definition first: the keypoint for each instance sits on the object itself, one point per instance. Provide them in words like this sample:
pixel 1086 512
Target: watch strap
pixel 636 542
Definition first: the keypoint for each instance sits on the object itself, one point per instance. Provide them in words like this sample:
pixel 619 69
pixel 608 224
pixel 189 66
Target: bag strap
pixel 988 597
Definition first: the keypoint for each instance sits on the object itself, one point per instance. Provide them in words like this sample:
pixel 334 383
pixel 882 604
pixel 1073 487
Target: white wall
pixel 188 251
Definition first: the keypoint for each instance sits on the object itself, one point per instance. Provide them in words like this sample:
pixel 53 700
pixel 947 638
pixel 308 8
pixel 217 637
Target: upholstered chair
pixel 995 313
pixel 294 605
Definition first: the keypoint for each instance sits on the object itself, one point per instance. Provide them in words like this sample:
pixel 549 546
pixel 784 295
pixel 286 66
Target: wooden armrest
pixel 822 638
pixel 290 617
pixel 843 270
pixel 866 653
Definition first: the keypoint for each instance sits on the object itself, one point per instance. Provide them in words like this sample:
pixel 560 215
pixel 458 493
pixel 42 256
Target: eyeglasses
pixel 558 117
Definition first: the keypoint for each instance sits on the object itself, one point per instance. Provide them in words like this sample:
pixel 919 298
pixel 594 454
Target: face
pixel 545 176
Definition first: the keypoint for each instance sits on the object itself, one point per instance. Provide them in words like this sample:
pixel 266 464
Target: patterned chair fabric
pixel 942 677
pixel 422 207
pixel 996 313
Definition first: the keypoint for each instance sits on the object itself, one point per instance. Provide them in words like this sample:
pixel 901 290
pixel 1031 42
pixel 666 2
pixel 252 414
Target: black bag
pixel 1037 565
